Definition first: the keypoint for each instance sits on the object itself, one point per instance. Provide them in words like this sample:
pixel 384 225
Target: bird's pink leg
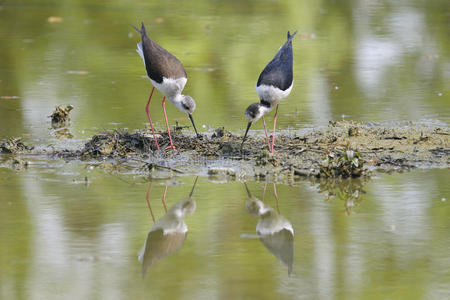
pixel 274 127
pixel 150 119
pixel 167 125
pixel 276 196
pixel 147 198
pixel 265 130
pixel 163 200
pixel 264 191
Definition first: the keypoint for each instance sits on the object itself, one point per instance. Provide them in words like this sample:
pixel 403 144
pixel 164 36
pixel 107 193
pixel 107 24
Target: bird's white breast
pixel 170 224
pixel 272 94
pixel 273 225
pixel 170 87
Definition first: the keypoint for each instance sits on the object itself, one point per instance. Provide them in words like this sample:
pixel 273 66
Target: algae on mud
pixel 343 149
pixel 60 117
pixel 14 145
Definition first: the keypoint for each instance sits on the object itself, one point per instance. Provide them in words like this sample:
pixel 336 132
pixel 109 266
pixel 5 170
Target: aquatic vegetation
pixel 344 164
pixel 60 117
pixel 14 145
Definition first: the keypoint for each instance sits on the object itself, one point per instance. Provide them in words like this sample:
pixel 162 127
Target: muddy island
pixel 342 149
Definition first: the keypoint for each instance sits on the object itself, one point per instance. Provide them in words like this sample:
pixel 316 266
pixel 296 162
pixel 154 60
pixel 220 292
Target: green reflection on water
pixel 61 236
pixel 382 61
pixel 371 61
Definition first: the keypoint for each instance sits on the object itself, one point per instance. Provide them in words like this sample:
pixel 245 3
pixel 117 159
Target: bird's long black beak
pixel 248 191
pixel 193 124
pixel 193 187
pixel 245 135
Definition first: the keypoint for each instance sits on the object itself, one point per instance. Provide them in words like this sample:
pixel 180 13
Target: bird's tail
pixel 290 36
pixel 139 45
pixel 142 30
pixel 137 29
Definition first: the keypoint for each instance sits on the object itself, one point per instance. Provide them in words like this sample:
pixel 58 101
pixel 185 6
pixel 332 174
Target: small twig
pixel 151 165
pixel 154 165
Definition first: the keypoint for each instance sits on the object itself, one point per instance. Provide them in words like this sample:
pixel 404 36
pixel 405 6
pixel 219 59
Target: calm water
pixel 61 236
pixel 362 60
pixel 385 239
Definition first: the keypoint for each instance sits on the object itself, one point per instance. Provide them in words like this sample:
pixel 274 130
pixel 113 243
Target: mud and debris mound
pixel 14 145
pixel 118 143
pixel 121 144
pixel 10 148
pixel 341 150
pixel 60 117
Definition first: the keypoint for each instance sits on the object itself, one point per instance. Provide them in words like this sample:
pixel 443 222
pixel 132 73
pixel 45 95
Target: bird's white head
pixel 256 207
pixel 253 113
pixel 186 104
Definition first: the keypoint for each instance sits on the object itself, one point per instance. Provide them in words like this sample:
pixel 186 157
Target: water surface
pixel 358 60
pixel 61 236
pixel 70 230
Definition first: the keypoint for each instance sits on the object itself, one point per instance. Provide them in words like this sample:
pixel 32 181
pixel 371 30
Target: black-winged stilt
pixel 167 234
pixel 274 84
pixel 167 74
pixel 274 231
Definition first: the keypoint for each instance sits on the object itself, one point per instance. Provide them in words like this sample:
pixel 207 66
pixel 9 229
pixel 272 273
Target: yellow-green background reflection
pixel 364 60
pixel 372 61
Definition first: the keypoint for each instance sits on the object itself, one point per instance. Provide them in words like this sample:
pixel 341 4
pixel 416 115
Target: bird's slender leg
pixel 147 198
pixel 276 196
pixel 264 191
pixel 167 125
pixel 274 127
pixel 265 130
pixel 163 200
pixel 150 119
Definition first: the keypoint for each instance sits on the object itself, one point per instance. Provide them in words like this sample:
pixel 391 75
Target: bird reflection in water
pixel 274 231
pixel 167 234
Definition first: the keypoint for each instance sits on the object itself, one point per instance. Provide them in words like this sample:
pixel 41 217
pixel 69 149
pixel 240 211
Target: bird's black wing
pixel 158 61
pixel 278 72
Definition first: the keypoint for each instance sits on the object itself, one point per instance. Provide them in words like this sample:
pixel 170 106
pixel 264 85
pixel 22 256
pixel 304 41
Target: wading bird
pixel 274 231
pixel 274 84
pixel 167 234
pixel 167 74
